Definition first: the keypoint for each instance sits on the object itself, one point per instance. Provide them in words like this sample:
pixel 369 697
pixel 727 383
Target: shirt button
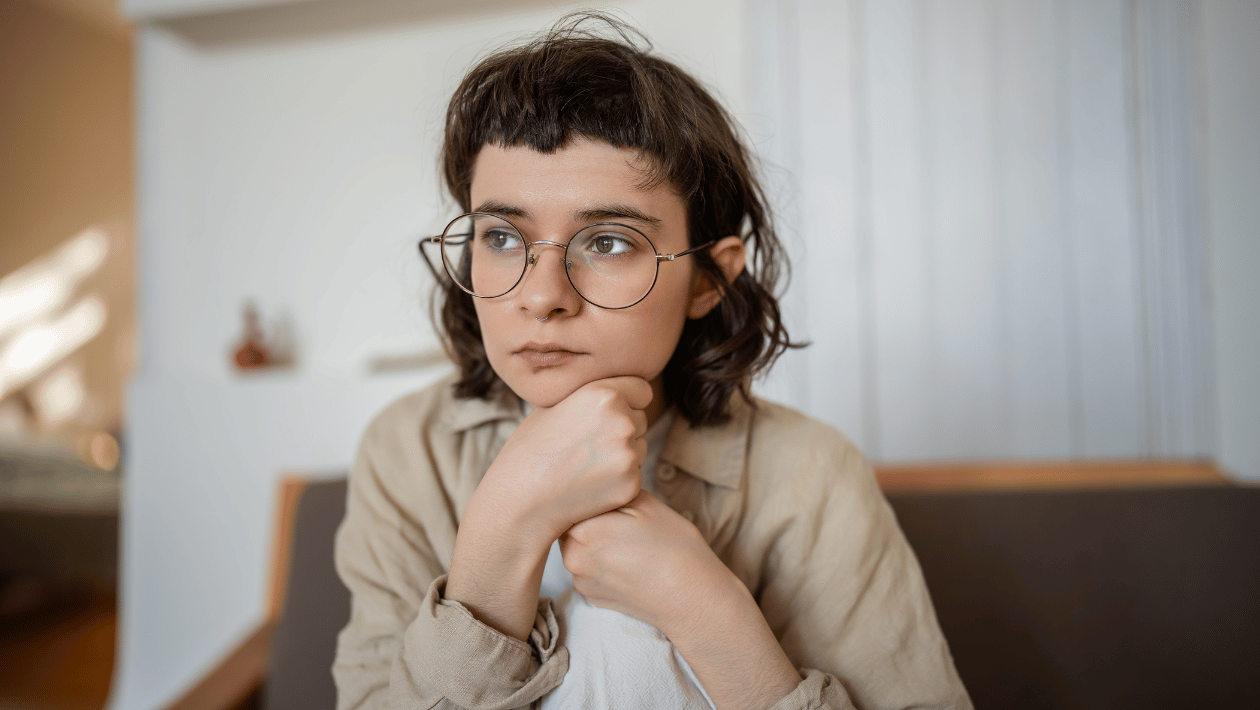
pixel 665 472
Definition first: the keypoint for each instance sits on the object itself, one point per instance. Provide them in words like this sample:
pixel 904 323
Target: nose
pixel 545 289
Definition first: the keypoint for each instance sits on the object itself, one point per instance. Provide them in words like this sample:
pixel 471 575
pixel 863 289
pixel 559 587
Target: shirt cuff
pixel 477 667
pixel 817 691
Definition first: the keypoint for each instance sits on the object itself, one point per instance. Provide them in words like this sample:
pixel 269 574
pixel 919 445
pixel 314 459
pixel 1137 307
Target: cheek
pixel 480 310
pixel 656 329
pixel 491 328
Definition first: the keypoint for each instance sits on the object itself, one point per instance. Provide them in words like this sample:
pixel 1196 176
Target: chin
pixel 544 389
pixel 549 387
pixel 540 397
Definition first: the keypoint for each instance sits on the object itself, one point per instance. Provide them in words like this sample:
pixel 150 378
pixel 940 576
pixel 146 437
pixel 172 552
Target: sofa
pixel 1076 591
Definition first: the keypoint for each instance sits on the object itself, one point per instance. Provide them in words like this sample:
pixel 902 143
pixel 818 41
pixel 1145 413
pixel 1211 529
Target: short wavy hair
pixel 593 76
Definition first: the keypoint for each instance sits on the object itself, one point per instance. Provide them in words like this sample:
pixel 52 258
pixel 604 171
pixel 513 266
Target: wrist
pixel 734 653
pixel 507 522
pixel 495 572
pixel 716 606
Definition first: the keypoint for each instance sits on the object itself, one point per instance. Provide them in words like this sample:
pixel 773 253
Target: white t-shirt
pixel 616 660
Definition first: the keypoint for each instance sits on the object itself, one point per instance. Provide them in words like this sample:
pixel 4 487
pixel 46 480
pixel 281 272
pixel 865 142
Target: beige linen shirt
pixel 788 503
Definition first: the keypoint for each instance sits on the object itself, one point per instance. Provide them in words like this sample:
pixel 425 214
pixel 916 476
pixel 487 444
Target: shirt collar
pixel 714 454
pixel 468 413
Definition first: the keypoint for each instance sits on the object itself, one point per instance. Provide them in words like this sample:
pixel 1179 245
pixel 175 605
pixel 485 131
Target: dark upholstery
pixel 1129 598
pixel 1139 598
pixel 316 606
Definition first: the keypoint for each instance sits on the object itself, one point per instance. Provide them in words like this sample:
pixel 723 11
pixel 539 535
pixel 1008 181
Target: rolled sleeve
pixel 816 691
pixel 405 647
pixel 471 664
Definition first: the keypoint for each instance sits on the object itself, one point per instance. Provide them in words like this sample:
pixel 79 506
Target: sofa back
pixel 1117 598
pixel 1121 598
pixel 316 605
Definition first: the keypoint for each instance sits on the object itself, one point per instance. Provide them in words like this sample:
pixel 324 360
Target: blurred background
pixel 1021 231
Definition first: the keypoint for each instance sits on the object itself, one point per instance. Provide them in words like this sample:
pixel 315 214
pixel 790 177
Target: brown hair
pixel 575 81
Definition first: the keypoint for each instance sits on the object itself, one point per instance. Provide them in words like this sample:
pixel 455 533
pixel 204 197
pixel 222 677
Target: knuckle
pixel 575 562
pixel 600 392
pixel 590 393
pixel 625 460
pixel 577 535
pixel 628 490
pixel 624 428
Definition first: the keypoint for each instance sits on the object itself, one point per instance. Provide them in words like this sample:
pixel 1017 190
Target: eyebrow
pixel 502 209
pixel 603 212
pixel 591 214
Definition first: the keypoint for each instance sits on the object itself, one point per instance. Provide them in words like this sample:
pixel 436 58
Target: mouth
pixel 539 355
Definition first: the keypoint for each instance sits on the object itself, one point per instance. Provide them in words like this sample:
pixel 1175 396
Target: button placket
pixel 667 482
pixel 679 493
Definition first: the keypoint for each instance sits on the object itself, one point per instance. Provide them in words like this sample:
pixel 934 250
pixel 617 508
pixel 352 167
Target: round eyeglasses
pixel 610 265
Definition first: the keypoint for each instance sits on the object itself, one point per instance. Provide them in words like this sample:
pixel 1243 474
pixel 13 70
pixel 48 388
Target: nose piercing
pixel 540 320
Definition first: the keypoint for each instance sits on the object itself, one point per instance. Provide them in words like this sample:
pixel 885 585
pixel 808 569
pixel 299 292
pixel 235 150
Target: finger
pixel 641 501
pixel 639 417
pixel 578 531
pixel 635 390
pixel 578 541
pixel 571 557
pixel 645 497
pixel 640 450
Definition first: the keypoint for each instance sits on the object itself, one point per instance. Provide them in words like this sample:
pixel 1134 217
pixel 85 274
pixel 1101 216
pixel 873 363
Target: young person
pixel 607 299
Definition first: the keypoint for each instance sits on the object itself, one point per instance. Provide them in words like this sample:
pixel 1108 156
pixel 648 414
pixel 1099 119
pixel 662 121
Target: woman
pixel 607 298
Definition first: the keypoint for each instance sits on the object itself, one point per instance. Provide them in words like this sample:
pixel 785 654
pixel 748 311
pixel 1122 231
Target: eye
pixel 610 245
pixel 502 239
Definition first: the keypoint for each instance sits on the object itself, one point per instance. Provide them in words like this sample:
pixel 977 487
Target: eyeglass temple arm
pixel 671 257
pixel 437 273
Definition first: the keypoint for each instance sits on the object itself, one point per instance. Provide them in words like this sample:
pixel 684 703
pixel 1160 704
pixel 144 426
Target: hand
pixel 564 464
pixel 647 561
pixel 572 461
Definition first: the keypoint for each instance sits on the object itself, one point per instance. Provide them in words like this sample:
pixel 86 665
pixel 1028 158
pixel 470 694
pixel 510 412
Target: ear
pixel 729 254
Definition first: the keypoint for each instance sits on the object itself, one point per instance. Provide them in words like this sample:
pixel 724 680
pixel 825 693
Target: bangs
pixel 574 82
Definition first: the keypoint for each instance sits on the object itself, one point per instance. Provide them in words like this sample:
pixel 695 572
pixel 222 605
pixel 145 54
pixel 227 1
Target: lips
pixel 546 354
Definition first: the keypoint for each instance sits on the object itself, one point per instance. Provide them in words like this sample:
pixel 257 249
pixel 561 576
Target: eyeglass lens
pixel 610 265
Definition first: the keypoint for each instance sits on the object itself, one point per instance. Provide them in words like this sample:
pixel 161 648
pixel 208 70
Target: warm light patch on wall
pixel 98 449
pixel 42 287
pixel 38 324
pixel 60 396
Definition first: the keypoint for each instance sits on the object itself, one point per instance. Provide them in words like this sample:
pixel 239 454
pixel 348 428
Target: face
pixel 542 338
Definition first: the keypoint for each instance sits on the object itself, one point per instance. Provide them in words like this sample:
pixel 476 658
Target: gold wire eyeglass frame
pixel 531 258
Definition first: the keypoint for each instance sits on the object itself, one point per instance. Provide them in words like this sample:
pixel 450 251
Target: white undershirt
pixel 616 660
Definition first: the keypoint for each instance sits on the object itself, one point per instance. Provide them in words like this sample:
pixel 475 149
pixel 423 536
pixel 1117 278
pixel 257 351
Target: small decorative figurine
pixel 252 353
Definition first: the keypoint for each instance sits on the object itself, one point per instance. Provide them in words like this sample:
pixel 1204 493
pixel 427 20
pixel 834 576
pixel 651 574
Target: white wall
pixel 287 155
pixel 1231 69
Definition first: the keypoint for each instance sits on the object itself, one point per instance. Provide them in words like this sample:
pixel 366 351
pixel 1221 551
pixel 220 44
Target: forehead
pixel 583 176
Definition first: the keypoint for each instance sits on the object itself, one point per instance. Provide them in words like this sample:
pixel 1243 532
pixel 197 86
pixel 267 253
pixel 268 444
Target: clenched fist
pixel 573 461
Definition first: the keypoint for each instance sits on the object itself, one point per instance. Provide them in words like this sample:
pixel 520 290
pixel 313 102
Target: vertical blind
pixel 992 208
